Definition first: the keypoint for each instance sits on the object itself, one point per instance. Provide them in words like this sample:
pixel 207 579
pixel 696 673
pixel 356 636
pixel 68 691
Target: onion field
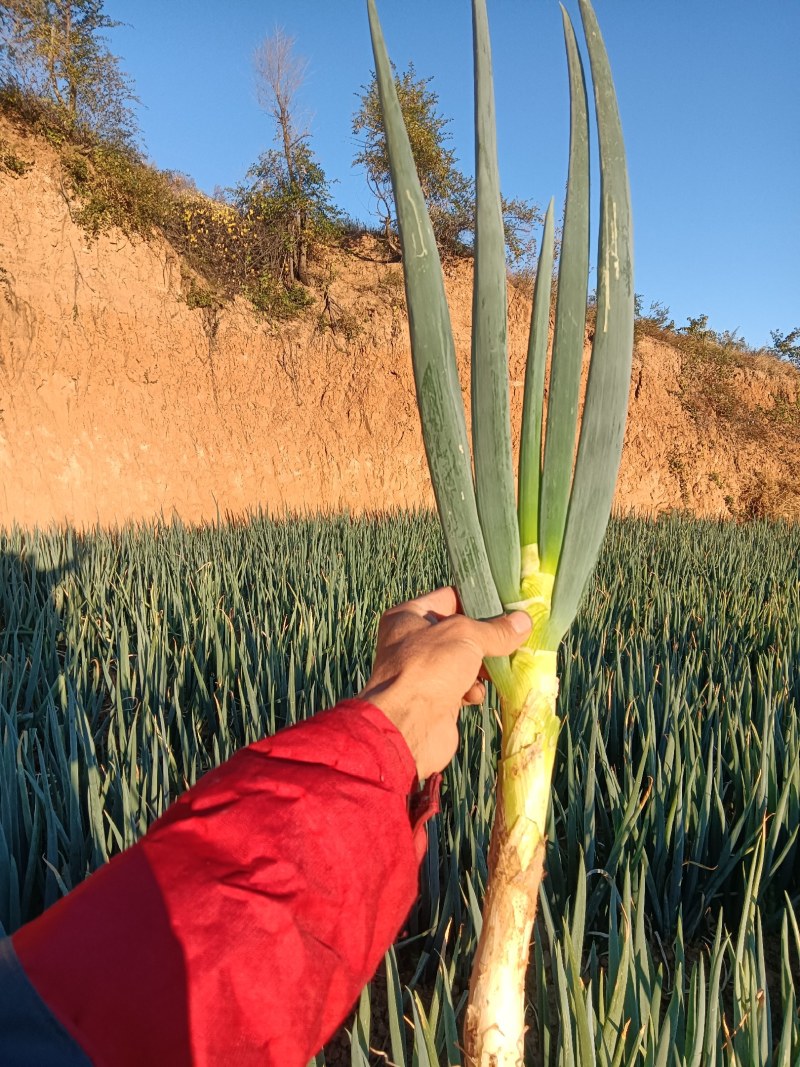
pixel 133 661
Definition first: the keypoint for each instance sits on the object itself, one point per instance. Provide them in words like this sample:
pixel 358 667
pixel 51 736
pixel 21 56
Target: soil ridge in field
pixel 120 402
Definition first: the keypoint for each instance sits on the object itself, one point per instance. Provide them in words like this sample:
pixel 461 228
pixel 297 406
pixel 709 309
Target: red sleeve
pixel 242 927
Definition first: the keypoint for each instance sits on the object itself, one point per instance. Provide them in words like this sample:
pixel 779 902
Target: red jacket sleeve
pixel 242 927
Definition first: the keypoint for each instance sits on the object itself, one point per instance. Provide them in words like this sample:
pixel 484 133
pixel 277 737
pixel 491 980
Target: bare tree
pixel 279 77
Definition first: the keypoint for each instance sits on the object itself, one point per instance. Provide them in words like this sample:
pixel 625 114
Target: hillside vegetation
pixel 139 380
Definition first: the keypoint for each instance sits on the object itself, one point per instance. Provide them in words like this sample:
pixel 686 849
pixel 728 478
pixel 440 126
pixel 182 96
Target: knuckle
pixel 459 627
pixel 389 619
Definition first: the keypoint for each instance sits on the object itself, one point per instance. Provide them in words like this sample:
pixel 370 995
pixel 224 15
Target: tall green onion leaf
pixel 568 336
pixel 530 447
pixel 606 404
pixel 435 371
pixel 491 417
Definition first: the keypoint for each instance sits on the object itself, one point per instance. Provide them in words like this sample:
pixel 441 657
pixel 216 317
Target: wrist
pixel 390 698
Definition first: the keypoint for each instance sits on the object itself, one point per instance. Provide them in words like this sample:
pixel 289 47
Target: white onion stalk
pixel 533 549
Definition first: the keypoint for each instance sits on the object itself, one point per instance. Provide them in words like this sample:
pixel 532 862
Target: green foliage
pixel 115 188
pixel 240 244
pixel 696 326
pixel 786 346
pixel 58 76
pixel 38 116
pixel 698 332
pixel 10 161
pixel 521 220
pixel 237 246
pixel 652 322
pixel 699 340
pixel 668 913
pixel 445 189
pixel 296 207
pixel 200 298
pixel 449 194
pixel 784 411
pixel 712 366
pixel 306 189
pixel 215 240
pixel 54 52
pixel 275 300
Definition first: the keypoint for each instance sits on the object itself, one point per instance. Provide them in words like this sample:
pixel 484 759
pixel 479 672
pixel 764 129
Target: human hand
pixel 428 663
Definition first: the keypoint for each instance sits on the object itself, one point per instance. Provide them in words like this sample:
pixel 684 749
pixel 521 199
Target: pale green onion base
pixel 494 1029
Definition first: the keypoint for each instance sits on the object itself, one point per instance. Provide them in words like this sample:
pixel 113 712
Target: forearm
pixel 244 924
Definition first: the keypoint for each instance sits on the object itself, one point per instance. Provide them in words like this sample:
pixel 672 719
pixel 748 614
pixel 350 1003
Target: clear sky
pixel 708 94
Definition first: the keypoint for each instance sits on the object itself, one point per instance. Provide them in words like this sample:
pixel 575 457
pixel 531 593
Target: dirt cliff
pixel 119 401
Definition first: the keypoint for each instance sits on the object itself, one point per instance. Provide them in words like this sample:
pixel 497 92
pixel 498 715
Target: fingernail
pixel 520 622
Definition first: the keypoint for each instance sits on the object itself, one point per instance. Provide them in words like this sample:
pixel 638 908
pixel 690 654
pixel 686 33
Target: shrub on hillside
pixel 11 162
pixel 235 244
pixel 786 346
pixel 238 246
pixel 115 188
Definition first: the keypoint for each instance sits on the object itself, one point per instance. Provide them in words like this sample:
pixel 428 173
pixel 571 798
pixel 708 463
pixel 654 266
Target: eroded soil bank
pixel 120 402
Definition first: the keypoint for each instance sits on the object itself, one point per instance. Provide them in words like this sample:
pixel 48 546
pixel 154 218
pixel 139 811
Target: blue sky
pixel 707 90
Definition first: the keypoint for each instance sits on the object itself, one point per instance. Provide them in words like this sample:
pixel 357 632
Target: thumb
pixel 503 635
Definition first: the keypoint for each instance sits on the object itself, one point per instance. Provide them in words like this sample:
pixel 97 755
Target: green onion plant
pixel 533 549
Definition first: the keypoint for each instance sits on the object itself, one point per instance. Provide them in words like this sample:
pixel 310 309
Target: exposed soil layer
pixel 120 402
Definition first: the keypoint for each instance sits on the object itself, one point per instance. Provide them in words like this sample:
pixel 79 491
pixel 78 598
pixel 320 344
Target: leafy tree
pixel 287 184
pixel 658 314
pixel 786 346
pixel 446 190
pixel 697 326
pixel 55 51
pixel 521 220
pixel 289 210
pixel 449 193
pixel 698 329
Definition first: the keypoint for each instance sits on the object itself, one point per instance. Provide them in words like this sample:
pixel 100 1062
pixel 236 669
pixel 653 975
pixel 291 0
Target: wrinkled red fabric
pixel 242 927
